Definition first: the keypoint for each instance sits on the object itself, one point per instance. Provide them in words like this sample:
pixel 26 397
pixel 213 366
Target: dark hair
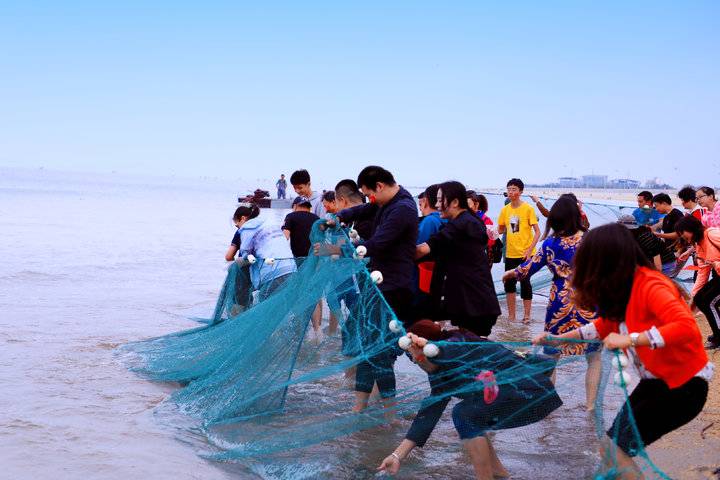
pixel 690 224
pixel 687 194
pixel 453 190
pixel 662 198
pixel 370 176
pixel 646 195
pixel 348 189
pixel 707 191
pixel 604 269
pixel 431 194
pixel 516 182
pixel 249 211
pixel 479 199
pixel 564 218
pixel 570 195
pixel 329 196
pixel 300 177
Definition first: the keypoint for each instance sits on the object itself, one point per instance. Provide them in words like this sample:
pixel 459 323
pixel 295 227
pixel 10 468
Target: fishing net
pixel 262 393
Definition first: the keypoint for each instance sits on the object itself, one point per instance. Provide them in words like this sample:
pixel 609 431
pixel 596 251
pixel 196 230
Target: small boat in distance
pixel 262 199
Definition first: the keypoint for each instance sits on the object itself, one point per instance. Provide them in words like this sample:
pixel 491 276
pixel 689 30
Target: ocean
pixel 92 261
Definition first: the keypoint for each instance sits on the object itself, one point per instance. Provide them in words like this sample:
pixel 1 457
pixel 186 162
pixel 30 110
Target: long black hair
pixel 564 218
pixel 692 225
pixel 453 190
pixel 248 211
pixel 604 268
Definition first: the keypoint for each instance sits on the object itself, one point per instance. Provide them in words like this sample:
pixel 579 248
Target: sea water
pixel 91 261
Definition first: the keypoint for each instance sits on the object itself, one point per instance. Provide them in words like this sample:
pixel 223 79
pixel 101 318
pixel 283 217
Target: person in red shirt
pixel 641 312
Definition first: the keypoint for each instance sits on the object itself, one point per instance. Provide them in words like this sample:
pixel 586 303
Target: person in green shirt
pixel 519 222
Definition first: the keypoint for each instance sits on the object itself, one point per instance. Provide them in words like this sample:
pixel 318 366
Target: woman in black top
pixel 462 286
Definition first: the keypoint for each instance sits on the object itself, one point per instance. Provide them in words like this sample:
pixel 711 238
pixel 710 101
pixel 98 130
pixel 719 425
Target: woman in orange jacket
pixel 705 294
pixel 641 312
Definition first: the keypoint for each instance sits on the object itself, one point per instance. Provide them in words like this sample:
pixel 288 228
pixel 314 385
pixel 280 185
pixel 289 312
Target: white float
pixel 619 361
pixel 404 342
pixel 251 259
pixel 621 378
pixel 431 350
pixel 269 261
pixel 376 277
pixel 394 326
pixel 361 251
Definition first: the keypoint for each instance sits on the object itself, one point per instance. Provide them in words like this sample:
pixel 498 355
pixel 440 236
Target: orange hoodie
pixel 708 252
pixel 656 302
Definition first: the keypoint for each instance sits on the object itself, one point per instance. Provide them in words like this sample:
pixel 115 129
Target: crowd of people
pixel 611 284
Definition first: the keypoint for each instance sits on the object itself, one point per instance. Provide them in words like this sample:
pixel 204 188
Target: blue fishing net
pixel 262 393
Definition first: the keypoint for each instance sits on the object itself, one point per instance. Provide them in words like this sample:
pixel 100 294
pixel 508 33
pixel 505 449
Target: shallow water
pixel 92 262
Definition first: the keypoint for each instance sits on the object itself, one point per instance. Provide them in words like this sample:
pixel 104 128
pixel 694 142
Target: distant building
pixel 568 182
pixel 625 183
pixel 594 181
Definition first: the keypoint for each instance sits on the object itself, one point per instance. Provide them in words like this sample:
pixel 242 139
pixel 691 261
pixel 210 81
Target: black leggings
pixel 708 301
pixel 657 409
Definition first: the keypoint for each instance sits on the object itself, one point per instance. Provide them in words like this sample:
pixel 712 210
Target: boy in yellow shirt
pixel 518 220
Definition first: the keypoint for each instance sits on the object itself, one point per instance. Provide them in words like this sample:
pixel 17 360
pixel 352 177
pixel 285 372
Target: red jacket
pixel 655 301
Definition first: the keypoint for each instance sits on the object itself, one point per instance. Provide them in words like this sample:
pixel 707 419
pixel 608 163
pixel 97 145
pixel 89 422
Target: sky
pixel 467 90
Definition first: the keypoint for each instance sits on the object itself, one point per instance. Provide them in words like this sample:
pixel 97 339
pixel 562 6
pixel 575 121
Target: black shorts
pixel 656 409
pixel 510 286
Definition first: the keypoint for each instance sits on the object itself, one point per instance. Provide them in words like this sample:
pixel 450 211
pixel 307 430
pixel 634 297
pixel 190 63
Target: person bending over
pixel 498 389
pixel 641 312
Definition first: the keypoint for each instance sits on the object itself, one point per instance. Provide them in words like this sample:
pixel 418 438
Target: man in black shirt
pixel 298 225
pixel 663 205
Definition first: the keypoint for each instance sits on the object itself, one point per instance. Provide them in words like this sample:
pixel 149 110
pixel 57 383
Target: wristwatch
pixel 634 339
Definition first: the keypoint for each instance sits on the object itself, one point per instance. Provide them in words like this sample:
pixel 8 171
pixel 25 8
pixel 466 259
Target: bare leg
pixel 511 300
pixel 479 450
pixel 527 305
pixel 592 379
pixel 614 457
pixel 333 324
pixel 498 468
pixel 361 401
pixel 317 318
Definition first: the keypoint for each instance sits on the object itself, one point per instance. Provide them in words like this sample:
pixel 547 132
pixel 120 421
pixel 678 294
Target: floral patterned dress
pixel 556 253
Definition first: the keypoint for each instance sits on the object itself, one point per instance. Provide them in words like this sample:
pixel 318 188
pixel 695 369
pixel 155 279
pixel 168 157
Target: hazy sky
pixel 470 90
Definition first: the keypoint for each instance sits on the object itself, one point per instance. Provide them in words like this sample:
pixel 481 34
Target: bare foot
pixel 502 473
pixel 526 321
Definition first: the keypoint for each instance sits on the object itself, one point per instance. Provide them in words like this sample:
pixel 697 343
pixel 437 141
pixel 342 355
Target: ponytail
pixel 250 211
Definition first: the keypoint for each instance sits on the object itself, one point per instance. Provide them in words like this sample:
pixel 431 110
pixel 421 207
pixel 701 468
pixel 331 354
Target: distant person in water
pixel 300 180
pixel 281 187
pixel 519 221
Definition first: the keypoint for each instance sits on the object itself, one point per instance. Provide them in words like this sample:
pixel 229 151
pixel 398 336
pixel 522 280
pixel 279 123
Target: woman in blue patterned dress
pixel 563 234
